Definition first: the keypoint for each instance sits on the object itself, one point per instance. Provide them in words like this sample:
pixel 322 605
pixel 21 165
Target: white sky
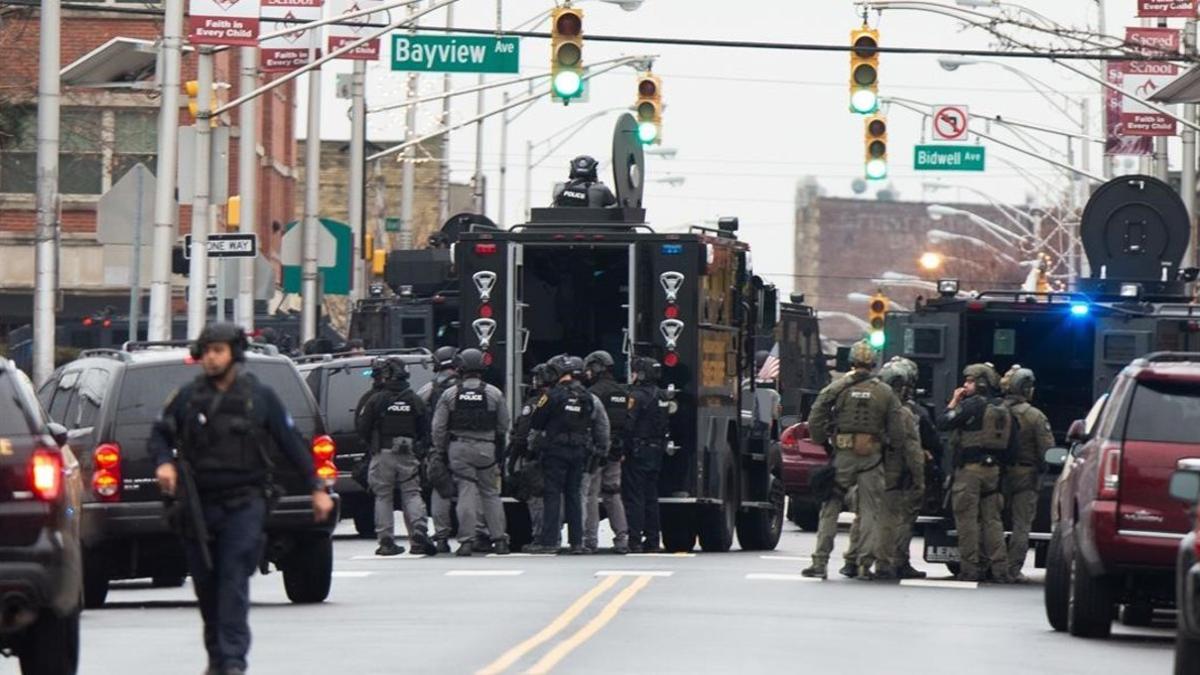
pixel 748 124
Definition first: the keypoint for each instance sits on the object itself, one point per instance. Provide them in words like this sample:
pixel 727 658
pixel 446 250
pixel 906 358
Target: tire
pixel 519 524
pixel 95 581
pixel 364 522
pixel 1090 605
pixel 1057 592
pixel 954 568
pixel 168 580
pixel 51 645
pixel 806 515
pixel 678 524
pixel 717 525
pixel 1187 655
pixel 760 529
pixel 309 571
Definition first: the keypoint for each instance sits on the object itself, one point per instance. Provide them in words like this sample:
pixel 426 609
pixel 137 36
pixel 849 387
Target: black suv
pixel 108 400
pixel 41 576
pixel 338 381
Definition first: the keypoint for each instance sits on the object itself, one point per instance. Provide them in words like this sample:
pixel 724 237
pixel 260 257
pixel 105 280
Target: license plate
pixel 941 554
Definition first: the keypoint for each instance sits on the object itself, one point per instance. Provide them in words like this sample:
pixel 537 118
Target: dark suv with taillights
pixel 108 400
pixel 40 564
pixel 1116 530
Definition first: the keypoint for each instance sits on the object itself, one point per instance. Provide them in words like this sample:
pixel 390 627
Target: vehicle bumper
pixel 1108 549
pixel 36 577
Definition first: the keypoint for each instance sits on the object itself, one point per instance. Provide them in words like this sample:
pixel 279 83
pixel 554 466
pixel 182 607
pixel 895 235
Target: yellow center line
pixel 553 628
pixel 562 649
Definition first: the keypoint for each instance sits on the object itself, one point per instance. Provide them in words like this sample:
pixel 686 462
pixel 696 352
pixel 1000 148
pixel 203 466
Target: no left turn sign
pixel 950 123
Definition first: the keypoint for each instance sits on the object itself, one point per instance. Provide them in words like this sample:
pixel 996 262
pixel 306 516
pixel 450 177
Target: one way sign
pixel 226 245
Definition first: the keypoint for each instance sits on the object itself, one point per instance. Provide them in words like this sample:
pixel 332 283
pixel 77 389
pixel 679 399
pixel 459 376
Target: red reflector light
pixel 323 449
pixel 671 312
pixel 485 249
pixel 976 306
pixel 485 311
pixel 107 323
pixel 105 484
pixel 107 456
pixel 45 475
pixel 327 471
pixel 487 358
pixel 671 360
pixel 87 321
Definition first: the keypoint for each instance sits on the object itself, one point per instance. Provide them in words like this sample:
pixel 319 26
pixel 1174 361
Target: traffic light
pixel 864 71
pixel 875 137
pixel 877 310
pixel 192 89
pixel 566 55
pixel 649 109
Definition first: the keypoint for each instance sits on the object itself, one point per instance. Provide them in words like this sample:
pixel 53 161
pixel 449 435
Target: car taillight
pixel 323 450
pixel 106 471
pixel 1110 472
pixel 45 475
pixel 788 438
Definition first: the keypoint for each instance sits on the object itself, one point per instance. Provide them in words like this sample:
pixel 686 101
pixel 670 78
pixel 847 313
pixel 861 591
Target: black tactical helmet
pixel 559 365
pixel 394 369
pixel 443 358
pixel 647 369
pixel 230 333
pixel 470 361
pixel 543 375
pixel 574 366
pixel 598 361
pixel 584 167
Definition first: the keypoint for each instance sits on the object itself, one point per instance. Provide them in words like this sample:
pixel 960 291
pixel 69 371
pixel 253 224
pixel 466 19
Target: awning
pixel 1184 89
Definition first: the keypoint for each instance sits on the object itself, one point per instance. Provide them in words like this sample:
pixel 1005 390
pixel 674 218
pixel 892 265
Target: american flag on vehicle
pixel 770 369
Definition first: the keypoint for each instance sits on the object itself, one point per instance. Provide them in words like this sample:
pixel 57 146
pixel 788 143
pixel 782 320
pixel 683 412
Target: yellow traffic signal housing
pixel 192 89
pixel 378 262
pixel 864 71
pixel 566 54
pixel 649 107
pixel 875 140
pixel 877 309
pixel 233 213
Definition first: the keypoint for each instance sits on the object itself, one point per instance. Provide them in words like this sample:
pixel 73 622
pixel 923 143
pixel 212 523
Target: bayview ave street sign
pixel 948 157
pixel 456 54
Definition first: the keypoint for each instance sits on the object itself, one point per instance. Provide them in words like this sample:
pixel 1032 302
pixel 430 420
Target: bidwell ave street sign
pixel 948 157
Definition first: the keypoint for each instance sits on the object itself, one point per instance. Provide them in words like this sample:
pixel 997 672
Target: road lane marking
pixel 758 576
pixel 634 573
pixel 660 555
pixel 553 628
pixel 350 574
pixel 485 573
pixel 787 558
pixel 390 558
pixel 562 649
pixel 522 555
pixel 934 583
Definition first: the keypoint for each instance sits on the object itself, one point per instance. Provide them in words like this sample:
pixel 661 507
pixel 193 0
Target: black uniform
pixel 564 416
pixel 584 192
pixel 646 440
pixel 614 396
pixel 395 424
pixel 227 438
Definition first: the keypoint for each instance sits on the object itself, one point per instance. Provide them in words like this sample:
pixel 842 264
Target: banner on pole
pixel 291 51
pixel 1167 8
pixel 223 22
pixel 350 30
pixel 1144 78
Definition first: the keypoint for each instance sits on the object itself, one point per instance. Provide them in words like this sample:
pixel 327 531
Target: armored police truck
pixel 1134 231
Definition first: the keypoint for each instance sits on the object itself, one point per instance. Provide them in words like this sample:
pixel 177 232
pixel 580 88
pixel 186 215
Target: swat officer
pixel 983 440
pixel 647 428
pixel 931 446
pixel 394 424
pixel 904 481
pixel 223 425
pixel 469 429
pixel 860 415
pixel 572 425
pixel 603 477
pixel 437 473
pixel 1020 482
pixel 524 464
pixel 584 188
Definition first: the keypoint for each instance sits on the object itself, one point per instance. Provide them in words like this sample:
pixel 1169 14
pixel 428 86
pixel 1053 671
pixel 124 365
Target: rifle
pixel 189 519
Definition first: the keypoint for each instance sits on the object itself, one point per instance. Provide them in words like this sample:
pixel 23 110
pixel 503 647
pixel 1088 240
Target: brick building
pixel 104 133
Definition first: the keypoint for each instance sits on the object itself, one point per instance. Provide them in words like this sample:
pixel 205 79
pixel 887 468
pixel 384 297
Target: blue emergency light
pixel 672 249
pixel 1080 309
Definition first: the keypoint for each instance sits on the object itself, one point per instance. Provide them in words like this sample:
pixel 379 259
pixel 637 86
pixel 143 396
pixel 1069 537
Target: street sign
pixel 223 22
pixel 948 158
pixel 391 224
pixel 1185 9
pixel 456 53
pixel 291 51
pixel 335 259
pixel 234 245
pixel 128 203
pixel 352 30
pixel 950 123
pixel 218 164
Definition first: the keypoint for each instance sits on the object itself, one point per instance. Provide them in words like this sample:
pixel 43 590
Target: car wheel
pixel 168 580
pixel 717 523
pixel 1058 576
pixel 678 525
pixel 953 568
pixel 51 645
pixel 1187 655
pixel 95 582
pixel 760 529
pixel 309 570
pixel 364 522
pixel 1089 605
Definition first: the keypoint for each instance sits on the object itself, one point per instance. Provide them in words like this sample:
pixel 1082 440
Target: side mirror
pixel 1185 486
pixel 1056 456
pixel 1077 432
pixel 58 432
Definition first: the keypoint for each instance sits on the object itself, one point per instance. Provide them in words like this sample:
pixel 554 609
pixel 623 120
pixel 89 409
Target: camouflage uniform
pixel 1020 484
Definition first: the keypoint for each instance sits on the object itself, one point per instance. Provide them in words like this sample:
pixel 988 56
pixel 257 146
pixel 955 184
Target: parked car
pixel 1116 530
pixel 1185 487
pixel 108 400
pixel 338 382
pixel 41 569
pixel 800 458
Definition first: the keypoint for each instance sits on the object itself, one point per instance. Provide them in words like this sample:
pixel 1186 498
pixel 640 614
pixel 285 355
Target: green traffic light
pixel 864 101
pixel 647 132
pixel 568 84
pixel 877 339
pixel 877 169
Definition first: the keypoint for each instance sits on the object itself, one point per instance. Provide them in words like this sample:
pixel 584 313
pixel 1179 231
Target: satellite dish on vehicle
pixel 465 222
pixel 1135 228
pixel 629 163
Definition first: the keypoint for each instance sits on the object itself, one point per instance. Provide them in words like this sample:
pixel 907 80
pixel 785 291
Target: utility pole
pixel 1162 162
pixel 1187 186
pixel 358 132
pixel 197 304
pixel 408 174
pixel 312 186
pixel 165 208
pixel 501 201
pixel 528 178
pixel 46 253
pixel 444 173
pixel 479 182
pixel 247 184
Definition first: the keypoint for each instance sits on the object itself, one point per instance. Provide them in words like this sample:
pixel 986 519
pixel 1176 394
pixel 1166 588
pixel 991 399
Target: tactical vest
pixel 993 433
pixel 1027 432
pixel 571 417
pixel 398 419
pixel 441 382
pixel 470 412
pixel 222 435
pixel 574 193
pixel 615 399
pixel 653 414
pixel 860 416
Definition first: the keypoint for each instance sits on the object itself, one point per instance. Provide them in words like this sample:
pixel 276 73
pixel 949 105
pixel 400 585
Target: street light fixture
pixel 931 260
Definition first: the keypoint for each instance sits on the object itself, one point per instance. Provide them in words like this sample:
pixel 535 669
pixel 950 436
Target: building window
pixel 135 141
pixel 18 149
pixel 81 152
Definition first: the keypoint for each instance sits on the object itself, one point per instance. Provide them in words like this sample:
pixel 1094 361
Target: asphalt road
pixel 699 613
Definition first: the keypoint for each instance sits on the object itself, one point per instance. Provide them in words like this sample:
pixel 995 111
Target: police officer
pixel 441 500
pixel 603 478
pixel 904 480
pixel 983 440
pixel 223 424
pixel 1020 482
pixel 860 415
pixel 524 464
pixel 572 425
pixel 584 189
pixel 647 428
pixel 394 424
pixel 931 447
pixel 469 429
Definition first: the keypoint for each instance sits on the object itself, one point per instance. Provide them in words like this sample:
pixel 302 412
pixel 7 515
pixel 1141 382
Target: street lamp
pixel 936 211
pixel 931 260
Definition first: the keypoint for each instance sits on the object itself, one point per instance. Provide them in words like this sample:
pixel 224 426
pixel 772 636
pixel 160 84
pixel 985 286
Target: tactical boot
pixel 442 545
pixel 621 547
pixel 849 570
pixel 500 547
pixel 421 544
pixel 482 545
pixel 464 550
pixel 815 571
pixel 388 547
pixel 635 547
pixel 880 574
pixel 576 549
pixel 907 571
pixel 968 576
pixel 539 549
